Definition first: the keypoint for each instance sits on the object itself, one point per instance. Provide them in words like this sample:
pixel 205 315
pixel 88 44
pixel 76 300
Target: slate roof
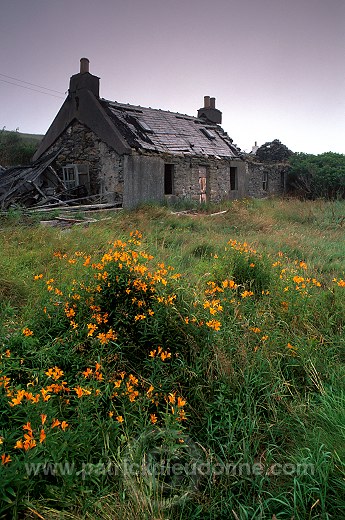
pixel 169 132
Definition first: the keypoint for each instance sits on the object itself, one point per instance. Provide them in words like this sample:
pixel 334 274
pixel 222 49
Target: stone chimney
pixel 84 80
pixel 209 111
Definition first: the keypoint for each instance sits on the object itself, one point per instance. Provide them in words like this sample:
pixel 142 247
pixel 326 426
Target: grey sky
pixel 274 66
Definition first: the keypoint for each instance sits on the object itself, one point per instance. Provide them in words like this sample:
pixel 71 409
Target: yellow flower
pixel 27 332
pixel 120 419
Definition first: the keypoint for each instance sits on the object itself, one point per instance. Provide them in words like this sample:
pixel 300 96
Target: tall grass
pixel 191 370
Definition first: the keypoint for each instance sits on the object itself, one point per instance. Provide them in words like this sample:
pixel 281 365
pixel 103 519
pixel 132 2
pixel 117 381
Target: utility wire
pixel 32 84
pixel 29 88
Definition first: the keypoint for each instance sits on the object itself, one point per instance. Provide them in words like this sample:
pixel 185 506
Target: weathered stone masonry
pixel 79 145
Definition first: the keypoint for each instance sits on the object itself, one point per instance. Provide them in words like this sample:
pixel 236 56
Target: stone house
pixel 124 154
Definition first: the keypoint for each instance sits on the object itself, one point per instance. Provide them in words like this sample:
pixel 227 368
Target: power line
pixel 29 88
pixel 32 84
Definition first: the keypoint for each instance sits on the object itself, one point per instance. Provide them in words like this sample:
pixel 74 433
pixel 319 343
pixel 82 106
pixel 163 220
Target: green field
pixel 157 364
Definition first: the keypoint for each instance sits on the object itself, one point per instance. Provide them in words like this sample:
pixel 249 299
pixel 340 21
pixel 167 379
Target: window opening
pixel 233 178
pixel 168 179
pixel 265 181
pixel 208 134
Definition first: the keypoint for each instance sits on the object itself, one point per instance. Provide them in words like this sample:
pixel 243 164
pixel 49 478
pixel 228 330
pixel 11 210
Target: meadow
pixel 162 365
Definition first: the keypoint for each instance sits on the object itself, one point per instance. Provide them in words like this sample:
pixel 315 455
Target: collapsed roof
pixel 127 127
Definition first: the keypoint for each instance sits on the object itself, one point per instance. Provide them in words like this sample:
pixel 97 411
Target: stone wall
pixel 79 145
pixel 266 178
pixel 187 170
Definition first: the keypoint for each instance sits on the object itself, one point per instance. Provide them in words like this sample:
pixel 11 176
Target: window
pixel 144 126
pixel 75 175
pixel 208 133
pixel 168 179
pixel 265 181
pixel 233 178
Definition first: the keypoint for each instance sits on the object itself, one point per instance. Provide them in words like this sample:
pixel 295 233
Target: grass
pixel 235 368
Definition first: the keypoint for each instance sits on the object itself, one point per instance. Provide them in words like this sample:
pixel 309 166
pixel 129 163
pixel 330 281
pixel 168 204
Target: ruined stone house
pixel 125 154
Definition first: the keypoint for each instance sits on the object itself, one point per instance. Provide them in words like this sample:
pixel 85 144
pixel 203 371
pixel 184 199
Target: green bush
pixel 315 176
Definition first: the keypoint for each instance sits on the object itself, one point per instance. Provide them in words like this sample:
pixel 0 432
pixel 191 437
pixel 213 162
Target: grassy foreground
pixel 161 366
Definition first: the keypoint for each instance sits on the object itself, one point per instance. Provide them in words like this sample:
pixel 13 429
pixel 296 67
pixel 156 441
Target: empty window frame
pixel 265 181
pixel 168 179
pixel 75 175
pixel 233 178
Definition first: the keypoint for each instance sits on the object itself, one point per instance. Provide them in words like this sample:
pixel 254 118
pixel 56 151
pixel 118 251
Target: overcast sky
pixel 276 67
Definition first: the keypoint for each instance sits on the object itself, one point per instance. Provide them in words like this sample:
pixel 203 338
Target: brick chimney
pixel 84 80
pixel 209 111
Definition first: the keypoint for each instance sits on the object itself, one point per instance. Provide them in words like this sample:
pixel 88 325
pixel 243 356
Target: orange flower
pixel 120 419
pixel 79 391
pixel 42 436
pixel 171 398
pixel 64 425
pixel 54 373
pixel 150 390
pixel 5 459
pixel 27 332
pixel 165 355
pixel 27 427
pixel 55 423
pixel 181 402
pixel 29 443
pixel 43 418
pixel 153 418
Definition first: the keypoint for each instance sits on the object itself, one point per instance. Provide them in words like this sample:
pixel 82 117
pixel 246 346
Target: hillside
pixel 17 148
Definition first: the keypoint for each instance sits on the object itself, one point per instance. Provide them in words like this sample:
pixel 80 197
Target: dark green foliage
pixel 317 176
pixel 15 149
